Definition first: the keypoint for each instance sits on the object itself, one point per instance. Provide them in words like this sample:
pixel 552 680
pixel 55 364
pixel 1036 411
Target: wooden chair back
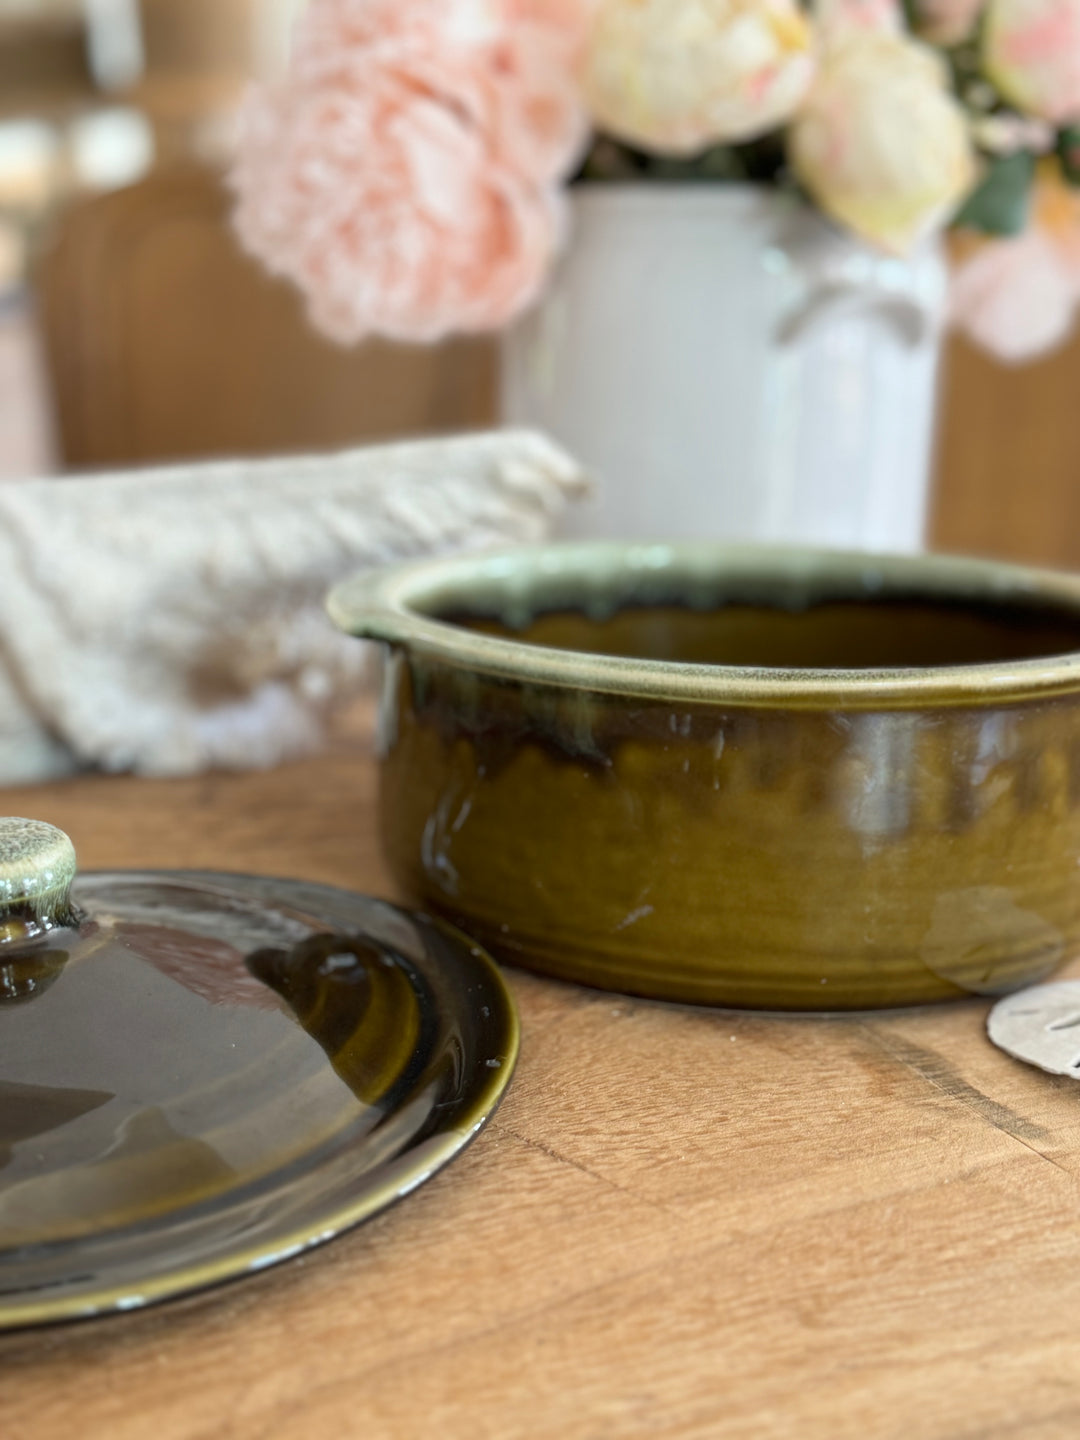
pixel 164 341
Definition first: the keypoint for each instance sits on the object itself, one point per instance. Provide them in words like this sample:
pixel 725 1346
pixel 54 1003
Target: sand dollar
pixel 1041 1025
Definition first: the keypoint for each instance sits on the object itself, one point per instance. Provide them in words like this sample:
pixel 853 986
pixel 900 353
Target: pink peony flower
pixel 1014 297
pixel 389 214
pixel 404 175
pixel 1017 297
pixel 1031 51
pixel 508 64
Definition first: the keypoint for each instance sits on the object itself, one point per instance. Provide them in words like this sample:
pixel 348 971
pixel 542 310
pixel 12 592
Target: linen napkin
pixel 171 620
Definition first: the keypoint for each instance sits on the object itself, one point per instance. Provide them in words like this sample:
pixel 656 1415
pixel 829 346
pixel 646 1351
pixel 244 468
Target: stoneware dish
pixel 736 776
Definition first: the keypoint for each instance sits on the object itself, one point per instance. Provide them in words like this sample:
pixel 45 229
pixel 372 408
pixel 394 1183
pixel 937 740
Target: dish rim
pixel 392 605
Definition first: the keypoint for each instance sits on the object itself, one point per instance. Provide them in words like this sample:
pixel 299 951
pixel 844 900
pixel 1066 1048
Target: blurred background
pixel 133 331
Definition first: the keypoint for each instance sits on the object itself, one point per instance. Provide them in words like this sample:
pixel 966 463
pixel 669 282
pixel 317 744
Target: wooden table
pixel 681 1222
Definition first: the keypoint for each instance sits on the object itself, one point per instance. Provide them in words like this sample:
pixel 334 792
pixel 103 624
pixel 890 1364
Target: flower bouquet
pixel 410 172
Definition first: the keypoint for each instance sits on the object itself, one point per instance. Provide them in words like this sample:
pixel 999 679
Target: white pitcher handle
pixel 908 315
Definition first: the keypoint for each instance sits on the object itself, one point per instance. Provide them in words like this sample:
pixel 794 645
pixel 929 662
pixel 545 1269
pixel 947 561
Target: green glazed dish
pixel 736 776
pixel 202 1075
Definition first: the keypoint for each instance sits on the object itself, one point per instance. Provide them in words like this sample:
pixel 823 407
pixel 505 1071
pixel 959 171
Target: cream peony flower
pixel 1031 51
pixel 880 144
pixel 835 20
pixel 678 75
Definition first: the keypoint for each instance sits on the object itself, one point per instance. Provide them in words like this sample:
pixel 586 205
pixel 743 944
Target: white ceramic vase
pixel 729 366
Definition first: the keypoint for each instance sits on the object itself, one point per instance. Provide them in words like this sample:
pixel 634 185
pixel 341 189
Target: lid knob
pixel 37 867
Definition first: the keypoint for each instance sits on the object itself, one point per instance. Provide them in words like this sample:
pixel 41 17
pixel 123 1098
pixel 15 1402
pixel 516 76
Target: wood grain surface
pixel 1008 456
pixel 680 1223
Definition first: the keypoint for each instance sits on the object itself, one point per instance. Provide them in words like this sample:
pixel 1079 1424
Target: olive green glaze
pixel 168 1121
pixel 884 810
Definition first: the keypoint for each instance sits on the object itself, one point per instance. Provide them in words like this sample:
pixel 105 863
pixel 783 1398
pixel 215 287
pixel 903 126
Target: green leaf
pixel 1068 149
pixel 912 14
pixel 720 163
pixel 999 206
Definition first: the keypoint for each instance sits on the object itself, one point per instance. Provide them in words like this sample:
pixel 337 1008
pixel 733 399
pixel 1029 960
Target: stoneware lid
pixel 203 1074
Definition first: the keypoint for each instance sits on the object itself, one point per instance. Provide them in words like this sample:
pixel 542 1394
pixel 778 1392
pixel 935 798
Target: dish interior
pixel 819 633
